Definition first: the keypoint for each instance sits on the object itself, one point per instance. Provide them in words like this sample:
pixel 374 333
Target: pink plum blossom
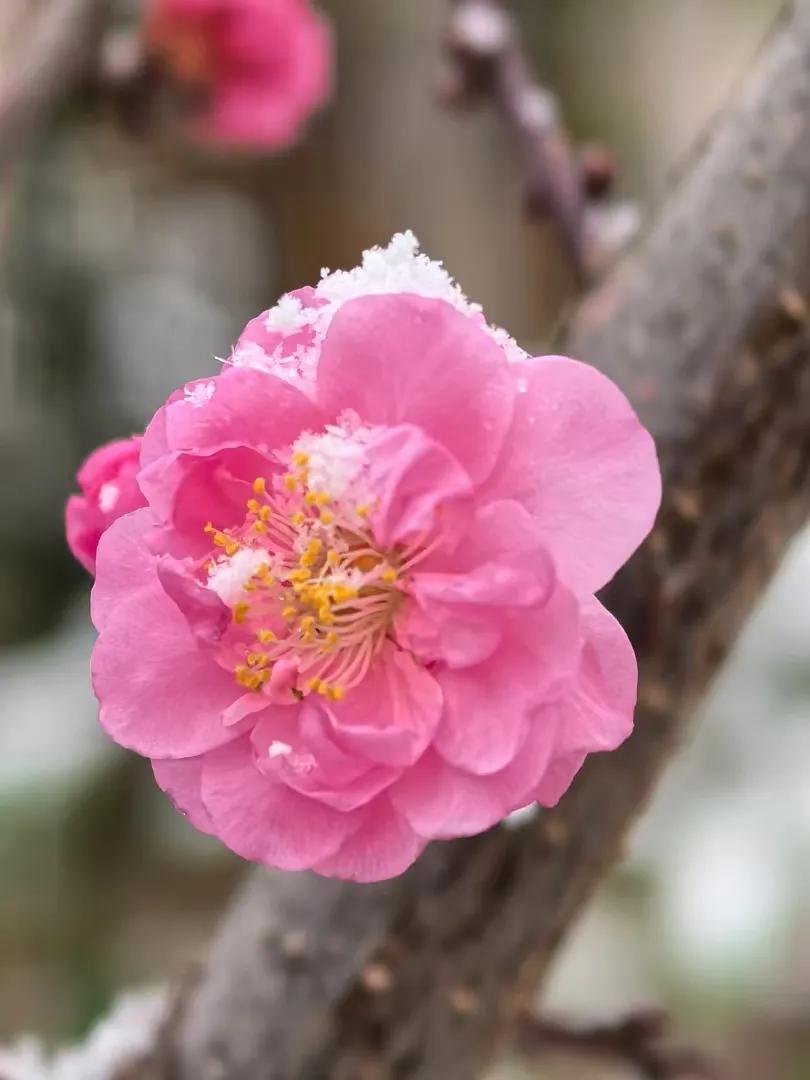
pixel 109 490
pixel 357 613
pixel 258 68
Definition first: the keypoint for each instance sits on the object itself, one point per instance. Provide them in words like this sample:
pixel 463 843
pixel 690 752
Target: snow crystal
pixel 398 268
pixel 200 393
pixel 108 496
pixel 229 575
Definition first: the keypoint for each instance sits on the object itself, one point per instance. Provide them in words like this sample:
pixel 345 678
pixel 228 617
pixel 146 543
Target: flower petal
pixel 246 407
pixel 302 753
pixel 262 819
pixel 128 569
pixel 579 459
pixel 405 359
pixel 383 847
pixel 487 708
pixel 160 693
pixel 414 481
pixel 459 611
pixel 596 711
pixel 440 801
pixel 182 780
pixel 391 716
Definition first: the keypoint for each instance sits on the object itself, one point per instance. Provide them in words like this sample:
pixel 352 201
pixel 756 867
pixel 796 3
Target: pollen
pixel 312 569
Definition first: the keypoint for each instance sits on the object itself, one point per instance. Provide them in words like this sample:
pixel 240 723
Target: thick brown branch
pixel 51 45
pixel 706 327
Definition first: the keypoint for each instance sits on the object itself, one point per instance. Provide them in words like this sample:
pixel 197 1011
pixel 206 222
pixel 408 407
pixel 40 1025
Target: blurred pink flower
pixel 109 489
pixel 358 613
pixel 260 67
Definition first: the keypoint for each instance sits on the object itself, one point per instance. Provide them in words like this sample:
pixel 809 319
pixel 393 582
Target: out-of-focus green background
pixel 127 268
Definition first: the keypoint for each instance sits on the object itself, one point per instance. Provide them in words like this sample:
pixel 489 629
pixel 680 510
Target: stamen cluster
pixel 318 592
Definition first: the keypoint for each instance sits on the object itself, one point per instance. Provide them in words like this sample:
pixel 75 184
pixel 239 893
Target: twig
pixel 487 60
pixel 53 46
pixel 639 1041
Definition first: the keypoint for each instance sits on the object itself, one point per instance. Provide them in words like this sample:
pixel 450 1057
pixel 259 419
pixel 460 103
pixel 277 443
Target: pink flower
pixel 109 490
pixel 358 614
pixel 259 67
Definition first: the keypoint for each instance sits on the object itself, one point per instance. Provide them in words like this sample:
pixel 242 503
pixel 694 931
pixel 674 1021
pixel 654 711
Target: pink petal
pixel 487 708
pixel 160 693
pixel 404 359
pixel 580 460
pixel 391 716
pixel 414 482
pixel 440 801
pixel 247 408
pixel 129 568
pixel 558 778
pixel 383 847
pixel 458 612
pixel 187 490
pixel 182 780
pixel 264 820
pixel 596 711
pixel 313 764
pixel 207 616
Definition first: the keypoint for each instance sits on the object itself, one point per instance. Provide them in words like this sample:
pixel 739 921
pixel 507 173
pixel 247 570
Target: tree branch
pixel 706 326
pixel 638 1041
pixel 486 60
pixel 51 47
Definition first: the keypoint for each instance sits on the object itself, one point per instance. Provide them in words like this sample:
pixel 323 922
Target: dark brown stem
pixel 640 1041
pixel 487 61
pixel 52 46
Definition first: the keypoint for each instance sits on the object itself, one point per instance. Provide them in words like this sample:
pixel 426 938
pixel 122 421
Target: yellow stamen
pixel 240 611
pixel 260 485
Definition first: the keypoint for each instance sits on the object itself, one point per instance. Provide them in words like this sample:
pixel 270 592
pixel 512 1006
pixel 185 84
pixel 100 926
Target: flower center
pixel 312 596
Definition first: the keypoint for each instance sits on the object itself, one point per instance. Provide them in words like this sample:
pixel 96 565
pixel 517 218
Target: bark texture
pixel 706 327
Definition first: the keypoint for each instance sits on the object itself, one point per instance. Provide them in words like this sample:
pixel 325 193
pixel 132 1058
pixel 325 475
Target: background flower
pixel 109 490
pixel 254 70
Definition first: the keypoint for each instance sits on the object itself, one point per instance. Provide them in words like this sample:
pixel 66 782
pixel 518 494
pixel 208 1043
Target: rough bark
pixel 706 327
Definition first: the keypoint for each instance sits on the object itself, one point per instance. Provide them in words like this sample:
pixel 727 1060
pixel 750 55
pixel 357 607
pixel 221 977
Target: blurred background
pixel 130 264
